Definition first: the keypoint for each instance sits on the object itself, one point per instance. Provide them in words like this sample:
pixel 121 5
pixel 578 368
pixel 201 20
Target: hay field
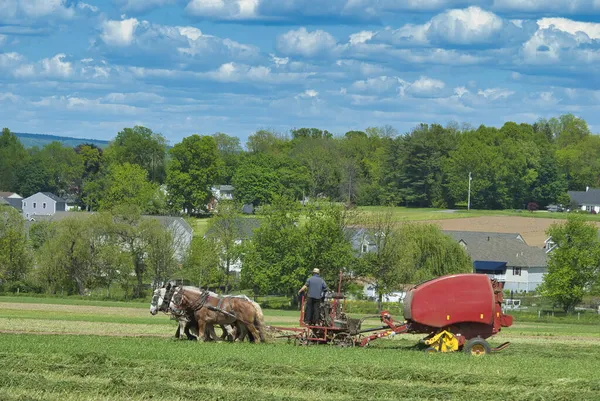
pixel 83 352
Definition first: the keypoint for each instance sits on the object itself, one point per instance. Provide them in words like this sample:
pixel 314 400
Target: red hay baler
pixel 457 312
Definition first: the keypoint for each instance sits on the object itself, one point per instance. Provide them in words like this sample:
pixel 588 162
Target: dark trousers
pixel 311 310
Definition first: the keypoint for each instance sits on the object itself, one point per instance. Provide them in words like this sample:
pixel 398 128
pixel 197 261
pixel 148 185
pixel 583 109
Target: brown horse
pixel 209 309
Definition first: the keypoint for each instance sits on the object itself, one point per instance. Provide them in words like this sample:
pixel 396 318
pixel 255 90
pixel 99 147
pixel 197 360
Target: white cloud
pixel 84 6
pixel 235 72
pixel 141 5
pixel 560 41
pixel 223 9
pixel 304 43
pixel 459 27
pixel 56 67
pixel 361 37
pixel 592 30
pixel 495 93
pixel 380 84
pixel 10 60
pixel 132 39
pixel 425 87
pixel 309 93
pixel 547 6
pixel 279 61
pixel 14 11
pixel 461 91
pixel 119 33
pixel 467 26
pixel 132 98
pixel 3 38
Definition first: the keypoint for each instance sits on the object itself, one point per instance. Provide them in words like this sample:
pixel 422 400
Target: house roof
pixel 166 221
pixel 226 187
pixel 3 202
pixel 500 247
pixel 7 194
pixel 590 197
pixel 244 227
pixel 53 197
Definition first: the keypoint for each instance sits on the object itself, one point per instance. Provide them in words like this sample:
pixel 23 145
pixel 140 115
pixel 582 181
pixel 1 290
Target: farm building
pixel 13 199
pixel 588 200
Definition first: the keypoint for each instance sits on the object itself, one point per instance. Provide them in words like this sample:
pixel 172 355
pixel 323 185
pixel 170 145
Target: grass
pixel 76 352
pixel 399 214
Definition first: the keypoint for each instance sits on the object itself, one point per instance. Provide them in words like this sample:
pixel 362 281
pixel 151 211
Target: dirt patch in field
pixel 532 229
pixel 92 310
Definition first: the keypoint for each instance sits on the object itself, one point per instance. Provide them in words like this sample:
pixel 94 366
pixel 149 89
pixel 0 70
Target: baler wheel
pixel 477 347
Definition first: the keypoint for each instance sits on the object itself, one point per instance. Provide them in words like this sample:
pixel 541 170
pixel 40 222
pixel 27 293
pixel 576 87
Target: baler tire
pixel 477 347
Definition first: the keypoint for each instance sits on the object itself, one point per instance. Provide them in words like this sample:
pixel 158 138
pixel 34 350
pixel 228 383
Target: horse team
pixel 199 311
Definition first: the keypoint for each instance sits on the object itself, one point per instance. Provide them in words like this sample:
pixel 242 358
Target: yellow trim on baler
pixel 444 341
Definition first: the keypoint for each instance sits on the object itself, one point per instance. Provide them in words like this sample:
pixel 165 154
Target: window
pixel 34 205
pixel 365 248
pixel 516 271
pixel 24 204
pixel 44 205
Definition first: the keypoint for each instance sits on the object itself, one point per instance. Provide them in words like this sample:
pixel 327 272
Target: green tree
pixel 161 259
pixel 229 150
pixel 261 177
pixel 273 261
pixel 267 142
pixel 201 265
pixel 573 266
pixel 68 256
pixel 316 155
pixel 192 170
pixel 12 158
pixel 140 145
pixel 409 253
pixel 15 253
pixel 326 245
pixel 127 184
pixel 425 150
pixel 133 232
pixel 225 232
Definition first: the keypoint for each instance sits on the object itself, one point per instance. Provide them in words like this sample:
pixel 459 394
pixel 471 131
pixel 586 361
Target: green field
pixel 399 214
pixel 117 351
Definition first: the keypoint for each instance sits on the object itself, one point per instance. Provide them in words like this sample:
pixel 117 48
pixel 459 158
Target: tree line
pixel 429 166
pixel 123 250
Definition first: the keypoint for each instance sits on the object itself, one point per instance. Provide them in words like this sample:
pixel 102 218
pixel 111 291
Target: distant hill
pixel 39 140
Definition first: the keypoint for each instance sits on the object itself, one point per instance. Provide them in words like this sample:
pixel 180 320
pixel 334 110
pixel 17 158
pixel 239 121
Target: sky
pixel 180 67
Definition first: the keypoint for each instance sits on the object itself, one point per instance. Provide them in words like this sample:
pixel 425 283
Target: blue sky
pixel 88 69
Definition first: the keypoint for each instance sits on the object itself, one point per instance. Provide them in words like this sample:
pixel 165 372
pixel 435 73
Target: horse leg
pixel 210 332
pixel 186 330
pixel 202 330
pixel 178 332
pixel 253 332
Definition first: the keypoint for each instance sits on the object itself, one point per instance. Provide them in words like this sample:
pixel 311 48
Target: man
pixel 316 287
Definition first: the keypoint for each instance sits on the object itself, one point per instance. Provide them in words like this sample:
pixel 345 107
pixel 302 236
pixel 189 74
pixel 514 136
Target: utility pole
pixel 469 198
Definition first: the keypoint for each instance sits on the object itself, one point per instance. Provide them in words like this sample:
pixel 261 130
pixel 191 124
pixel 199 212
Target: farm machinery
pixel 455 312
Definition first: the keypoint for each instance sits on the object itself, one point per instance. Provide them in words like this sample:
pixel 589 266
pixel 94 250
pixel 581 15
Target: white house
pixel 588 200
pixel 505 257
pixel 43 204
pixel 222 192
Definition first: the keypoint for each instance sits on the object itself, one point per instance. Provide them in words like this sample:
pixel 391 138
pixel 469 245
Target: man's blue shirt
pixel 316 286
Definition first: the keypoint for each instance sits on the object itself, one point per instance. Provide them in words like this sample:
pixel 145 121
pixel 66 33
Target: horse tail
pixel 259 321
